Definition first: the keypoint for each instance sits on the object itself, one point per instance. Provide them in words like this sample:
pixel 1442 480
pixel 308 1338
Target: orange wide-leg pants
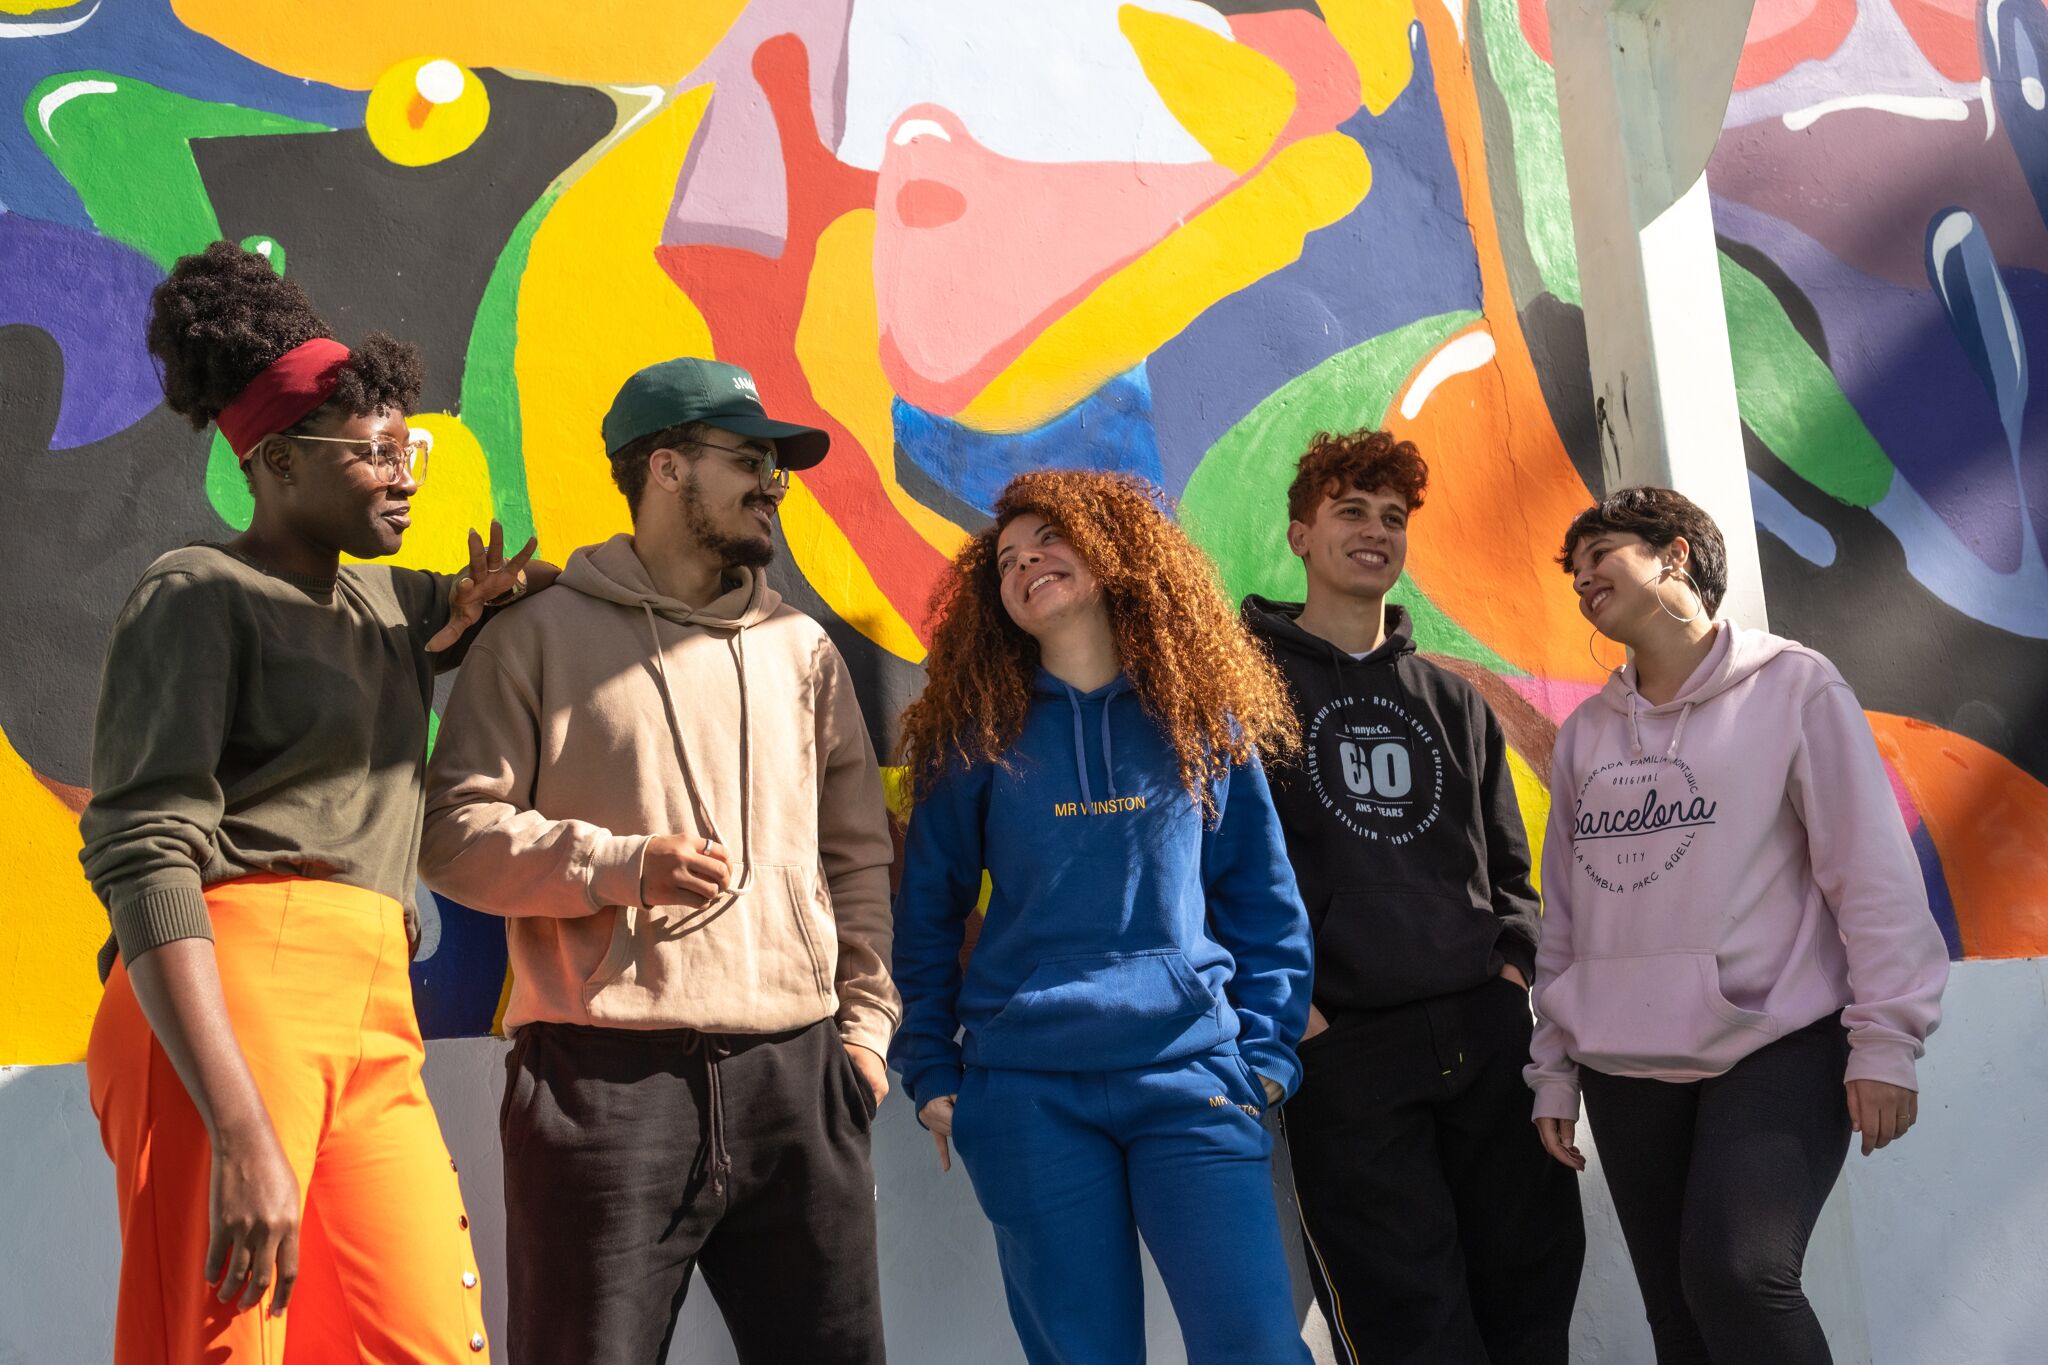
pixel 315 975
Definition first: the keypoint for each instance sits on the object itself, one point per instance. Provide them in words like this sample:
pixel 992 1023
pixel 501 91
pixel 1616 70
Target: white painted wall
pixel 1934 1252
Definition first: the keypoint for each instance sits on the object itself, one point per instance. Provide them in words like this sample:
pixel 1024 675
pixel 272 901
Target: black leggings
pixel 1718 1184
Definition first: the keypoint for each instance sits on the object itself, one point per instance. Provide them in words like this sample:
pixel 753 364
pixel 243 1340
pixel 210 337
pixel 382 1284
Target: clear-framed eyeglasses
pixel 760 461
pixel 388 459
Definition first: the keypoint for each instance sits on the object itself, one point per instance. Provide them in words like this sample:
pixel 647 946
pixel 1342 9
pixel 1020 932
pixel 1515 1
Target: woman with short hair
pixel 1737 963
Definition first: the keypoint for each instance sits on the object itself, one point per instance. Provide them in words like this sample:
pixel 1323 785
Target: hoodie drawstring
pixel 1081 752
pixel 698 806
pixel 716 1161
pixel 1635 730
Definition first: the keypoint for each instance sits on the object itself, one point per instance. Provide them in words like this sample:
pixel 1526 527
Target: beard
pixel 734 551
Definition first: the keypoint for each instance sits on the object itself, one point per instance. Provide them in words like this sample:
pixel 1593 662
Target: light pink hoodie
pixel 1722 870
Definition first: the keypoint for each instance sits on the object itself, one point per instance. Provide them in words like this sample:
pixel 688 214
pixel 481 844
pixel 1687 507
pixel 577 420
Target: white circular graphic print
pixel 1376 766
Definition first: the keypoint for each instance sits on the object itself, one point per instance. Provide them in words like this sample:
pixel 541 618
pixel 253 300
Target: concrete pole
pixel 1642 88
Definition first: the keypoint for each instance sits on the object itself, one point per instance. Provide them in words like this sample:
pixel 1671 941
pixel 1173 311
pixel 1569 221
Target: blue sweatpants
pixel 1072 1167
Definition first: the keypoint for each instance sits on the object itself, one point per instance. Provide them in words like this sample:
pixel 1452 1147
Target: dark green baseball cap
pixel 694 390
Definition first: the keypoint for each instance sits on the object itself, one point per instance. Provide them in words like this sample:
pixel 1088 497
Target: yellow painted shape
pixel 1375 33
pixel 426 109
pixel 838 345
pixel 1532 794
pixel 51 929
pixel 896 794
pixel 1248 234
pixel 832 567
pixel 594 306
pixel 1233 99
pixel 32 7
pixel 632 42
pixel 454 499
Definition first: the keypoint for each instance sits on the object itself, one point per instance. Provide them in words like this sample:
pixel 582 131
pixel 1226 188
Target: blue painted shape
pixel 91 295
pixel 1406 252
pixel 1110 430
pixel 455 991
pixel 1806 537
pixel 144 39
pixel 1964 273
pixel 2012 66
pixel 1938 898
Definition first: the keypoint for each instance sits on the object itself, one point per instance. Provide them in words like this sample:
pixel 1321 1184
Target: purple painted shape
pixel 1405 253
pixel 733 190
pixel 1554 697
pixel 1897 360
pixel 91 295
pixel 1852 171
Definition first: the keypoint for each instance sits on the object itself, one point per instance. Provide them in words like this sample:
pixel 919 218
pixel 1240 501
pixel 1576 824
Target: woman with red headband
pixel 257 760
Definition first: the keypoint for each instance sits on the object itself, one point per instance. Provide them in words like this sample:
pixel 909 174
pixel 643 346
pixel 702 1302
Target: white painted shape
pixel 2030 89
pixel 1990 108
pixel 1954 227
pixel 650 97
pixel 63 95
pixel 1459 355
pixel 1456 9
pixel 1991 9
pixel 1052 80
pixel 264 249
pixel 48 28
pixel 439 81
pixel 1931 108
pixel 920 127
pixel 1932 1252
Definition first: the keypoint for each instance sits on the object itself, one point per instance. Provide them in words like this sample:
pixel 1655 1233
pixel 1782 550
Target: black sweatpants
pixel 633 1157
pixel 1718 1184
pixel 1438 1231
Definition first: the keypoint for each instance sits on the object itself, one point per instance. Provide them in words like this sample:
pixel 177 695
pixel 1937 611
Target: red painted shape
pixel 1946 31
pixel 929 204
pixel 1325 78
pixel 752 304
pixel 1536 27
pixel 1784 33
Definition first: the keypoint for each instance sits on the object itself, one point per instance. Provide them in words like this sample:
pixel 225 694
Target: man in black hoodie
pixel 1437 1230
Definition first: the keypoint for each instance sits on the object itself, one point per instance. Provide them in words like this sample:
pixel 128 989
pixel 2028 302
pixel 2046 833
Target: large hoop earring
pixel 1697 596
pixel 1598 662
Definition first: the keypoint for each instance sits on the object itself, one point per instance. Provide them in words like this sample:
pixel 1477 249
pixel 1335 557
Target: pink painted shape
pixel 1555 699
pixel 733 189
pixel 1946 30
pixel 1325 78
pixel 1907 806
pixel 1782 33
pixel 959 299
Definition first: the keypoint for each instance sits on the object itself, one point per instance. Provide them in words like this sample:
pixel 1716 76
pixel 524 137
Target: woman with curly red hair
pixel 1090 736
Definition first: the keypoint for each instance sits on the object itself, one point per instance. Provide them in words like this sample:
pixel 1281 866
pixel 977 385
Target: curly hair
pixel 1658 516
pixel 1366 460
pixel 223 316
pixel 1200 675
pixel 629 461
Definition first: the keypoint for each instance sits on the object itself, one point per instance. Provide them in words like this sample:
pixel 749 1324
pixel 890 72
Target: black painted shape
pixel 404 249
pixel 930 493
pixel 884 683
pixel 81 527
pixel 1556 333
pixel 1804 316
pixel 1904 650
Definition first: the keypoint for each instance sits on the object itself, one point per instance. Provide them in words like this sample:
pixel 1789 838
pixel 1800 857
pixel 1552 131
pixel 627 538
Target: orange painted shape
pixel 1989 822
pixel 1502 487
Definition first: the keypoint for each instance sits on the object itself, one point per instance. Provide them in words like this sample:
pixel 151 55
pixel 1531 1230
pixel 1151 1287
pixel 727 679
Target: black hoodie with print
pixel 1401 820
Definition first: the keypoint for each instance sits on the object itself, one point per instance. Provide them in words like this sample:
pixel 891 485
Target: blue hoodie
pixel 1121 931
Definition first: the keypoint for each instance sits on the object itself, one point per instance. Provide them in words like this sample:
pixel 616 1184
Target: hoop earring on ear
pixel 1597 661
pixel 1697 596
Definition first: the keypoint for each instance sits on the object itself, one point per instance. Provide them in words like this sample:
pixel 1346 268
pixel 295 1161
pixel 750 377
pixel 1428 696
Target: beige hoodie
pixel 601 713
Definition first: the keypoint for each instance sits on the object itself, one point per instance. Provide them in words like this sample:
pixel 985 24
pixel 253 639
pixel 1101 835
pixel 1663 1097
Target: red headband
pixel 297 382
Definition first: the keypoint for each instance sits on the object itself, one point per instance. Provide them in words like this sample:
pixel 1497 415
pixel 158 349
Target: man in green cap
pixel 662 779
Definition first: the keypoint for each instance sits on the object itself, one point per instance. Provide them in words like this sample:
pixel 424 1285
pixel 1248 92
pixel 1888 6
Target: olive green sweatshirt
pixel 251 722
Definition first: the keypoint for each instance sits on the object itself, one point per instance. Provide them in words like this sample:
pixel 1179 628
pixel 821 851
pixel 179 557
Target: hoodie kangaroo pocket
pixel 1662 1014
pixel 1388 947
pixel 1103 1012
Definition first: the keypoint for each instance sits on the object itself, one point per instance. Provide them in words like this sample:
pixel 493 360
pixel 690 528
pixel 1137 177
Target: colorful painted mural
pixel 967 239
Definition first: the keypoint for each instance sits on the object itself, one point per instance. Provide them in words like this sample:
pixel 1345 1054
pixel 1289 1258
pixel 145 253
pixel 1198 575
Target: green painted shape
pixel 490 382
pixel 125 147
pixel 227 488
pixel 1792 401
pixel 1235 505
pixel 1529 88
pixel 269 248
